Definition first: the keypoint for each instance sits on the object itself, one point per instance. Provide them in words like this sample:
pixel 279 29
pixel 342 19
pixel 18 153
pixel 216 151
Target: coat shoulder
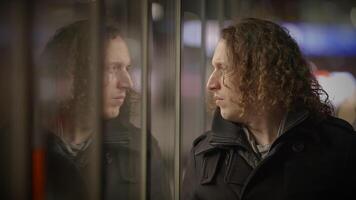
pixel 338 128
pixel 339 133
pixel 334 122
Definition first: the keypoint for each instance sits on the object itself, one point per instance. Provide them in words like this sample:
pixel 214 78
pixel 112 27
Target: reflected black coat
pixel 121 169
pixel 313 160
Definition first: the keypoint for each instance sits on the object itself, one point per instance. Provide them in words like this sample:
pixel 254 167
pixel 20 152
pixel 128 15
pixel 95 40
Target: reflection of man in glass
pixel 66 62
pixel 272 136
pixel 117 80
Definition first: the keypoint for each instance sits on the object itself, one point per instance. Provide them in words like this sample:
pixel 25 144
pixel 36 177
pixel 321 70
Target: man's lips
pixel 119 99
pixel 218 98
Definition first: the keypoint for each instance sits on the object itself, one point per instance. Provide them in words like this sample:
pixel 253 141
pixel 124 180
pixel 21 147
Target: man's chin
pixel 224 114
pixel 112 113
pixel 229 115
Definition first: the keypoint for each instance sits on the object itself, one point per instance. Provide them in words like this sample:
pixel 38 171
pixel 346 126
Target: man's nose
pixel 125 80
pixel 213 82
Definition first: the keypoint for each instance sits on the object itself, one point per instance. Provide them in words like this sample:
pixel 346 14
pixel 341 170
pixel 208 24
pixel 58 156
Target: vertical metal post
pixel 21 99
pixel 221 11
pixel 203 33
pixel 95 77
pixel 177 148
pixel 144 105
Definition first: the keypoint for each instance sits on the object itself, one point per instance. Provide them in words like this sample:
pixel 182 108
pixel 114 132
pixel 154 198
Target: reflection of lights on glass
pixel 353 16
pixel 157 11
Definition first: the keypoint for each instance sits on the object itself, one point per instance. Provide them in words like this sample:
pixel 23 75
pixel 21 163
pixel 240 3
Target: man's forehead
pixel 117 51
pixel 220 54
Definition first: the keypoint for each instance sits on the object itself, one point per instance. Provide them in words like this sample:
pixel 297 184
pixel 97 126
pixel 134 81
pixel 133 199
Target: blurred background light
pixel 339 86
pixel 314 39
pixel 157 12
pixel 353 16
pixel 324 40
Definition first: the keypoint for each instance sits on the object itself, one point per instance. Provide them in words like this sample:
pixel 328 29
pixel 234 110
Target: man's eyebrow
pixel 117 63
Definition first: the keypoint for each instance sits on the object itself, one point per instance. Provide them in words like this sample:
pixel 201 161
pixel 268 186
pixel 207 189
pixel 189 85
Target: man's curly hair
pixel 269 69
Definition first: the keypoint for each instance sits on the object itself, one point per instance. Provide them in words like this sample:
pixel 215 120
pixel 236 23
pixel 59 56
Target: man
pixel 272 136
pixel 66 61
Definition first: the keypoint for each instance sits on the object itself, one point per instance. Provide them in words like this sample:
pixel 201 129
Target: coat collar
pixel 293 119
pixel 117 133
pixel 225 133
pixel 124 135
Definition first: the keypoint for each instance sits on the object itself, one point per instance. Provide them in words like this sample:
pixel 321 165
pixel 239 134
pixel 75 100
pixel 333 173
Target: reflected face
pixel 220 84
pixel 117 80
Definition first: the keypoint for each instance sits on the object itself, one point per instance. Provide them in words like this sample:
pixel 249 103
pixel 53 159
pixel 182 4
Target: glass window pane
pixel 68 89
pixel 123 135
pixel 162 98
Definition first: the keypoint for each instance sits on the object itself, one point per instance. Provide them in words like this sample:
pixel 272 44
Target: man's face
pixel 220 84
pixel 117 79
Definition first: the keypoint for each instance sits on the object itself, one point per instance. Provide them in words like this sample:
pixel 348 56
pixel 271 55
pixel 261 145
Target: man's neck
pixel 74 134
pixel 264 126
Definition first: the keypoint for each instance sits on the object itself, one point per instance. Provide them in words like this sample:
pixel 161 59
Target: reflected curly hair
pixel 67 56
pixel 270 70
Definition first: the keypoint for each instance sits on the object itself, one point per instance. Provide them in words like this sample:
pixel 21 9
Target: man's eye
pixel 220 67
pixel 111 69
pixel 116 67
pixel 223 67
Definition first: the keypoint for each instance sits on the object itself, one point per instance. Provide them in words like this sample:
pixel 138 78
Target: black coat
pixel 312 160
pixel 121 165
